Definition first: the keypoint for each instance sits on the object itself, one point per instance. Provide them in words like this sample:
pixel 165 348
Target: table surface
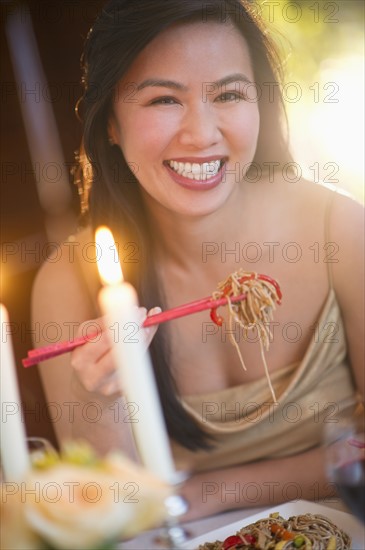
pixel 149 539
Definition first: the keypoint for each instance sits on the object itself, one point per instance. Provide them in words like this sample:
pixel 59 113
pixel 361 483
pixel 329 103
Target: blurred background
pixel 322 44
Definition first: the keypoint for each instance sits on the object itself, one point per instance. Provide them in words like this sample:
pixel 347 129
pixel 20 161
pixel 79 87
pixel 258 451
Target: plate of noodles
pixel 295 525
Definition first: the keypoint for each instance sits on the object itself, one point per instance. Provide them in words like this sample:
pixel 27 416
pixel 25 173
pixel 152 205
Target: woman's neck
pixel 188 240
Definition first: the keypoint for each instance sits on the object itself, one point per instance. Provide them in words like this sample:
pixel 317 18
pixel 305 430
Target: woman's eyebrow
pixel 236 77
pixel 162 83
pixel 158 82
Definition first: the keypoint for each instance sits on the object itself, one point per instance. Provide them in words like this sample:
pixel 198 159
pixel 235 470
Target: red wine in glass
pixel 345 461
pixel 350 483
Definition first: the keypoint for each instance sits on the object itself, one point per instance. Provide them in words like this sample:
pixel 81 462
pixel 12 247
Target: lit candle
pixel 118 300
pixel 14 453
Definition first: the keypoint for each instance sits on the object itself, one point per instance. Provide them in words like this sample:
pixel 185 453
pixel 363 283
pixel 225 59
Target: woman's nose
pixel 199 127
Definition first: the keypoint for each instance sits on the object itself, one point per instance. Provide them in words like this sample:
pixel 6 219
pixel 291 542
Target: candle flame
pixel 108 261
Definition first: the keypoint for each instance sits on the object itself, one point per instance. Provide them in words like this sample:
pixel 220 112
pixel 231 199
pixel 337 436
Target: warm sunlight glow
pixel 328 126
pixel 340 125
pixel 108 261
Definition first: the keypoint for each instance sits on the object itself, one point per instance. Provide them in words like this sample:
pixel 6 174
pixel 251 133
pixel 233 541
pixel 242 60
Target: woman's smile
pixel 198 174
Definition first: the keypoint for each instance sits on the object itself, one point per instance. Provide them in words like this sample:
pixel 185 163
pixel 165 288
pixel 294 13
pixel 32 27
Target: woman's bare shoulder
pixel 346 228
pixel 66 279
pixel 345 213
pixel 311 197
pixel 303 190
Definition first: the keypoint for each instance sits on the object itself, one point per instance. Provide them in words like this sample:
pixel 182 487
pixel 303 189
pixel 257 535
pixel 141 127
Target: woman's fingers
pixel 98 375
pixel 93 362
pixel 149 332
pixel 145 335
pixel 112 387
pixel 95 347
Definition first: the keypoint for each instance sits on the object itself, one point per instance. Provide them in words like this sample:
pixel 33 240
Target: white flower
pixel 84 507
pixel 77 500
pixel 74 507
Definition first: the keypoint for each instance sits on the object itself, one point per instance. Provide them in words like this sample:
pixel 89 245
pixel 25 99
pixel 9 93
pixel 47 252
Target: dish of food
pixel 306 531
pixel 291 526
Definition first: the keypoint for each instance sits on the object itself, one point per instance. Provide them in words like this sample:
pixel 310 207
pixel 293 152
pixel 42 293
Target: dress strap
pixel 327 236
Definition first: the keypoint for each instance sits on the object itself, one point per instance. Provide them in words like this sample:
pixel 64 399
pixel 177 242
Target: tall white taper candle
pixel 119 302
pixel 14 453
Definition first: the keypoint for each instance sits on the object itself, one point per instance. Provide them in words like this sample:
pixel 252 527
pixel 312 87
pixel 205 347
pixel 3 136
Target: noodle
pixel 307 531
pixel 254 312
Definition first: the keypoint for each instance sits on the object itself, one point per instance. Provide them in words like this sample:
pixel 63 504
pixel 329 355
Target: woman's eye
pixel 230 96
pixel 166 100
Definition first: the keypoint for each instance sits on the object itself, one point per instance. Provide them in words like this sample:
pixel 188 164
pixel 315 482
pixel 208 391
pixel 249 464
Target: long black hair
pixel 109 189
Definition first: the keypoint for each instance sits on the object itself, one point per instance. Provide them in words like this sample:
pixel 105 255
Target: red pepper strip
pixel 217 319
pixel 231 542
pixel 274 283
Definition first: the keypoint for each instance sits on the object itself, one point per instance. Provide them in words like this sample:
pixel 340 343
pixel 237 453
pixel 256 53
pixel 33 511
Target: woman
pixel 181 131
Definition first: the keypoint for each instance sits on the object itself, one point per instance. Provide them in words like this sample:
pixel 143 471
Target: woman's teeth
pixel 195 171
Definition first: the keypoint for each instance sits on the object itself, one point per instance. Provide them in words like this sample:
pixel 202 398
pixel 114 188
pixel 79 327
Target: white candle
pixel 118 300
pixel 14 453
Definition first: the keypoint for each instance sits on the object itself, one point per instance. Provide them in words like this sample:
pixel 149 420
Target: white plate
pixel 343 520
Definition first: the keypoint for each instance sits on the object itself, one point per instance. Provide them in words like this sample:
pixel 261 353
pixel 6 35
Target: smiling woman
pixel 216 128
pixel 181 131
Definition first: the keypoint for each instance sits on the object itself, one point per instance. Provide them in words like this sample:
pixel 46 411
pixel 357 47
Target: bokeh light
pixel 323 46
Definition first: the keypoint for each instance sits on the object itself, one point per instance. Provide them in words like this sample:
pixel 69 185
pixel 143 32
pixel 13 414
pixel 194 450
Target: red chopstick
pixel 35 356
pixel 188 309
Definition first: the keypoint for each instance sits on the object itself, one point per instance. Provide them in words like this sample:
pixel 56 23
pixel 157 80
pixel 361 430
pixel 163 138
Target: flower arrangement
pixel 77 500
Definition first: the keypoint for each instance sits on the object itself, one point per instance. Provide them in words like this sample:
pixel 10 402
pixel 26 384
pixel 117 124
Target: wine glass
pixel 345 459
pixel 174 534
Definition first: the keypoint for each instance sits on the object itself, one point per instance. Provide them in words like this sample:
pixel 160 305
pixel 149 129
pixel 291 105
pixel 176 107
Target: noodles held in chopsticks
pixel 306 531
pixel 254 312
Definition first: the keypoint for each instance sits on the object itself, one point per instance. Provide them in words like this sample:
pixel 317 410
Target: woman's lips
pixel 198 184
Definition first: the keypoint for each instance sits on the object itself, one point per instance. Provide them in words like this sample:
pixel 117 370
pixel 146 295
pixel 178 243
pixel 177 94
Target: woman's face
pixel 182 119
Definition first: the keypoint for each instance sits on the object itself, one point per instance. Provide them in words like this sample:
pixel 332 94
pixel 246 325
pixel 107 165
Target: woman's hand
pixel 93 362
pixel 202 492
